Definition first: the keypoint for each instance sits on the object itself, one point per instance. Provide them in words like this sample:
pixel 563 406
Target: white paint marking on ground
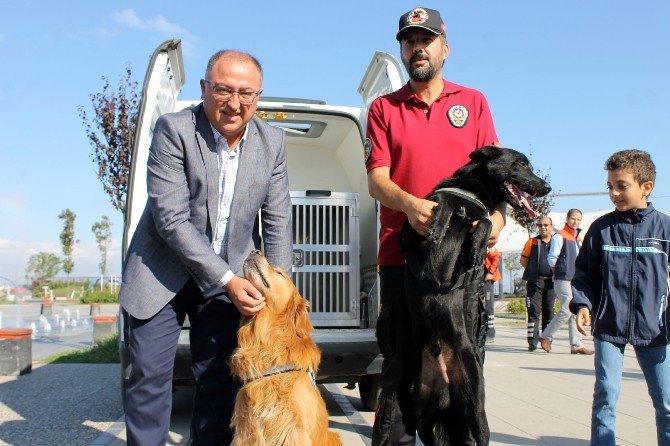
pixel 351 413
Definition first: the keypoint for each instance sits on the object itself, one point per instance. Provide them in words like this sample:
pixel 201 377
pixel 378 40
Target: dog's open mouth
pixel 520 198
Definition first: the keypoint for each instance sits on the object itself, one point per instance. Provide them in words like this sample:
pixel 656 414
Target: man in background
pixel 540 295
pixel 565 246
pixel 491 263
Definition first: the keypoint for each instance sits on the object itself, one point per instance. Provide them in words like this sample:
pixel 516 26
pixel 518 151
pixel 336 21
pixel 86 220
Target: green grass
pixel 105 352
pixel 510 319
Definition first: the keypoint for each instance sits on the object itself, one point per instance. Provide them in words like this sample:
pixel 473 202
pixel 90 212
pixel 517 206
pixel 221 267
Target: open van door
pixel 384 75
pixel 162 84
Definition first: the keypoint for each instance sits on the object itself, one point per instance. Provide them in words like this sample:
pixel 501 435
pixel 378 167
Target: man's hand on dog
pixel 495 231
pixel 583 319
pixel 420 215
pixel 245 296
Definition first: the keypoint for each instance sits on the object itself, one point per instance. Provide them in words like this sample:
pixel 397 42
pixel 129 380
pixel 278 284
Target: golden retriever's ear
pixel 298 316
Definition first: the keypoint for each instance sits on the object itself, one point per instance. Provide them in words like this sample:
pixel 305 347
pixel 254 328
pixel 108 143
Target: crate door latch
pixel 298 258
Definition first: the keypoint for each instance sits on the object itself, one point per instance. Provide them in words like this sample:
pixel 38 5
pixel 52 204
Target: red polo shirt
pixel 422 145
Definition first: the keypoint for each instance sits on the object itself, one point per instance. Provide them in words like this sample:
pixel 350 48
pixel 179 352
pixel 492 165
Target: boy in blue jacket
pixel 621 279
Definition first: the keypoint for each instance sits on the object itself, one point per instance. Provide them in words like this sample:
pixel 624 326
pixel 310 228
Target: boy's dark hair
pixel 637 161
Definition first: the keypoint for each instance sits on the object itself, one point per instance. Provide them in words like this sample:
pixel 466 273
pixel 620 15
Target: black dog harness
pixel 474 274
pixel 281 369
pixel 466 195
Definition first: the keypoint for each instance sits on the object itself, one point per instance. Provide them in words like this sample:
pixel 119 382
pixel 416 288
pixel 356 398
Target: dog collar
pixel 281 369
pixel 464 194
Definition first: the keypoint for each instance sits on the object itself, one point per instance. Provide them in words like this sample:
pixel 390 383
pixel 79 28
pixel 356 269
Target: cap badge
pixel 367 149
pixel 417 16
pixel 458 115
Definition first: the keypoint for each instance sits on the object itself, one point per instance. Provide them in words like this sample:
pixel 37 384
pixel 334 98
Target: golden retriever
pixel 279 403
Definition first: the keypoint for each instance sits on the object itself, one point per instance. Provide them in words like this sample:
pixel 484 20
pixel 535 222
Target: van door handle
pixel 298 258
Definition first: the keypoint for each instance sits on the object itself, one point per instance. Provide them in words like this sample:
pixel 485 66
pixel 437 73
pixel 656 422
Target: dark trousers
pixel 153 343
pixel 540 298
pixel 489 305
pixel 394 420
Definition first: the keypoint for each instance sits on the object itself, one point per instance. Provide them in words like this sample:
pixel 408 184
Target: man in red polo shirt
pixel 417 136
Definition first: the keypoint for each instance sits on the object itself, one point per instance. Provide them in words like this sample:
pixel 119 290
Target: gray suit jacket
pixel 172 241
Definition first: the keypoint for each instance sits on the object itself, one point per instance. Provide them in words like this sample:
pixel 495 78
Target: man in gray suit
pixel 211 169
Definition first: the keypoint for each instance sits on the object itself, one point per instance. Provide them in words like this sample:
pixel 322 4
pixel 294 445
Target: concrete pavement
pixel 532 399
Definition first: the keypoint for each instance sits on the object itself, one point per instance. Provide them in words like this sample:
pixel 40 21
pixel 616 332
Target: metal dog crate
pixel 326 255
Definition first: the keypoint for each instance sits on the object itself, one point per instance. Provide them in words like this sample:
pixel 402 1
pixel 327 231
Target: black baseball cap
pixel 424 18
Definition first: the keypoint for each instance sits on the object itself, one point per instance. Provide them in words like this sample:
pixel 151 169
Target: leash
pixel 276 370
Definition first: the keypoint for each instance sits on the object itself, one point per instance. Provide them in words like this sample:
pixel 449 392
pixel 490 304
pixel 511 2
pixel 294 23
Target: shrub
pixel 96 296
pixel 516 307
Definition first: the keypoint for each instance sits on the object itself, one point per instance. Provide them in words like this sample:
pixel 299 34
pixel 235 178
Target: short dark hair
pixel 637 161
pixel 233 54
pixel 574 211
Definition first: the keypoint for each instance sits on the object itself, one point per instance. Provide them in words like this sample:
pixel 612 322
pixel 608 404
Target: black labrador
pixel 447 383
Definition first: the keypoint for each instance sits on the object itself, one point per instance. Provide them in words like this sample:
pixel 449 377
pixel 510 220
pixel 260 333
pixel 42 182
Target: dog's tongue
pixel 522 198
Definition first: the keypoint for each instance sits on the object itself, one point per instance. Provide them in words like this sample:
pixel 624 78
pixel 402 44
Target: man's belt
pixel 544 277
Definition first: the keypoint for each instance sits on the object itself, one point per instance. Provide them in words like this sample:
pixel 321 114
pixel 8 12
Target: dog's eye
pixel 524 164
pixel 279 272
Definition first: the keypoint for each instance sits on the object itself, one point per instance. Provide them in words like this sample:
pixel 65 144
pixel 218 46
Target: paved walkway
pixel 532 399
pixel 545 398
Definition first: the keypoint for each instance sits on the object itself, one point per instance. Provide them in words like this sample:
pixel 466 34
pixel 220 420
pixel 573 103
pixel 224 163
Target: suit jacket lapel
pixel 207 145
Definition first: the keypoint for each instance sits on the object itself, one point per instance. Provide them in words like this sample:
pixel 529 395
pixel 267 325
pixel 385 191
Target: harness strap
pixel 470 276
pixel 476 273
pixel 467 195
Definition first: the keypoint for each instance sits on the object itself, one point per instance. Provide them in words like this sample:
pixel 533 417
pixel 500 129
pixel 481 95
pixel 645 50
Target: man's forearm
pixel 498 218
pixel 390 194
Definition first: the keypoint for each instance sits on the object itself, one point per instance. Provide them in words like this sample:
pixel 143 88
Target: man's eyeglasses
pixel 223 93
pixel 542 225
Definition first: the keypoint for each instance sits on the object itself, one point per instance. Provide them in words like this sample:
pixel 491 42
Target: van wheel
pixel 368 389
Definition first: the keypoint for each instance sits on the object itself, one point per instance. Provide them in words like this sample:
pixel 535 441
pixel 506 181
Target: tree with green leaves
pixel 111 132
pixel 67 240
pixel 42 267
pixel 103 236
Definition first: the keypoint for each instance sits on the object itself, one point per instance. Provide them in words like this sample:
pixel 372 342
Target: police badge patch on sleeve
pixel 458 115
pixel 367 149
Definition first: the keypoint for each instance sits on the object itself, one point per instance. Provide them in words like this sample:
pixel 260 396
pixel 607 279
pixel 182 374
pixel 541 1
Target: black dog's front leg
pixel 480 239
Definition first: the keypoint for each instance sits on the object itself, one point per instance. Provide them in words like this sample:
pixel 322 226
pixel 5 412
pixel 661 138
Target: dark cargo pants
pixel 540 298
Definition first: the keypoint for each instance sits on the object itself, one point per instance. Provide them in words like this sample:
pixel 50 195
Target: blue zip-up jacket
pixel 622 277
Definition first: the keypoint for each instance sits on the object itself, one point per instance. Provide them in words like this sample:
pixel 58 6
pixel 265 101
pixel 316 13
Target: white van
pixel 335 222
